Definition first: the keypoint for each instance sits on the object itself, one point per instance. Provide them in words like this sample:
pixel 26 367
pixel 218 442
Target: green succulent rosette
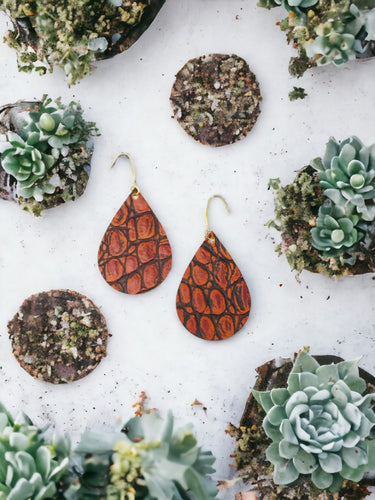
pixel 29 166
pixel 30 465
pixel 327 32
pixel 336 232
pixel 321 425
pixel 149 459
pixel 45 150
pixel 347 176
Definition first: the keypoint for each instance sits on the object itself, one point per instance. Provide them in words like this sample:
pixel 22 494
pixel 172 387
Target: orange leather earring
pixel 213 300
pixel 135 255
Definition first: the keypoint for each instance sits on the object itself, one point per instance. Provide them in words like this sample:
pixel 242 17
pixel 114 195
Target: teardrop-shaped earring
pixel 213 301
pixel 135 255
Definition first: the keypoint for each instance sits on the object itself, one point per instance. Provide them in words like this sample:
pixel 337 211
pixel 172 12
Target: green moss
pixel 296 209
pixel 297 93
pixel 71 34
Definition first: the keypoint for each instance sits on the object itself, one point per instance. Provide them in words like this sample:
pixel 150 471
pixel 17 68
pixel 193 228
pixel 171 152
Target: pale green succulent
pixel 337 48
pixel 57 125
pixel 347 176
pixel 299 7
pixel 28 165
pixel 148 460
pixel 336 232
pixel 30 465
pixel 48 154
pixel 320 425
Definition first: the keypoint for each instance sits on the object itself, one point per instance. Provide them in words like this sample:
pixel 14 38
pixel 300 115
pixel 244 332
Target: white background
pixel 150 350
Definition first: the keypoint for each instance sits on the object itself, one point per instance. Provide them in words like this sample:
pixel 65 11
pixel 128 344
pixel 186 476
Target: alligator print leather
pixel 213 301
pixel 135 255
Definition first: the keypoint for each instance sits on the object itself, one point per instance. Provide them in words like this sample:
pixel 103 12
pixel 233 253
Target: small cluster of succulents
pixel 72 34
pixel 327 31
pixel 47 153
pixel 321 425
pixel 347 178
pixel 148 460
pixel 326 217
pixel 31 466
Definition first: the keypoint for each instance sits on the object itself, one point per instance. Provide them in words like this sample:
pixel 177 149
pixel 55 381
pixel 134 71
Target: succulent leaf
pixel 28 468
pixel 150 459
pixel 324 430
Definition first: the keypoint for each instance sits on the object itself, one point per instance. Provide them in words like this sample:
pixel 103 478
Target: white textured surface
pixel 149 349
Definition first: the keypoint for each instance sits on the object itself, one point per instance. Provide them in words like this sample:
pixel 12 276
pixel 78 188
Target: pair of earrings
pixel 213 300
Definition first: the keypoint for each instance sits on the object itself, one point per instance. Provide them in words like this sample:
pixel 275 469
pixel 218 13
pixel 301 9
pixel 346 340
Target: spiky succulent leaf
pixel 30 465
pixel 149 459
pixel 323 427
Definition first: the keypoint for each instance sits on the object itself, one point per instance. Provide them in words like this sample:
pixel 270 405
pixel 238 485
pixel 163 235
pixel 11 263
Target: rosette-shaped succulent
pixel 335 232
pixel 56 124
pixel 347 176
pixel 321 425
pixel 29 166
pixel 149 460
pixel 30 466
pixel 45 152
pixel 337 48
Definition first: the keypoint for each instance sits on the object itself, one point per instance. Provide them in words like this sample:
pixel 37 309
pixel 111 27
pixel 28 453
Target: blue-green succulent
pixel 149 459
pixel 29 165
pixel 321 425
pixel 336 232
pixel 347 176
pixel 337 48
pixel 45 150
pixel 31 466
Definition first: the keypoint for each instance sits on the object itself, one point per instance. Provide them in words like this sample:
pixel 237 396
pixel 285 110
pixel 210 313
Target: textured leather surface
pixel 135 255
pixel 213 301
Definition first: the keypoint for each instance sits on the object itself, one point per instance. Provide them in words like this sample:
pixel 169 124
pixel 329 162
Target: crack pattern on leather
pixel 213 300
pixel 135 255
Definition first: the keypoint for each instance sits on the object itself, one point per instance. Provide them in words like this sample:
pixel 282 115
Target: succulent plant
pixel 46 151
pixel 56 124
pixel 73 34
pixel 321 424
pixel 29 166
pixel 299 7
pixel 347 176
pixel 336 232
pixel 337 48
pixel 30 465
pixel 148 459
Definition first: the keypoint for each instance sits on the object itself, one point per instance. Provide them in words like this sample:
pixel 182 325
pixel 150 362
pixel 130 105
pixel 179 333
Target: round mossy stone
pixel 216 99
pixel 58 336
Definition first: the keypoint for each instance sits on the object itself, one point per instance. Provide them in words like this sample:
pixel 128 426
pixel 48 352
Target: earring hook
pixel 134 185
pixel 207 232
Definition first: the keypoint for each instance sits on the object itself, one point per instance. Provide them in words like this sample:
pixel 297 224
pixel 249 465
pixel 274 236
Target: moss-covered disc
pixel 216 99
pixel 58 336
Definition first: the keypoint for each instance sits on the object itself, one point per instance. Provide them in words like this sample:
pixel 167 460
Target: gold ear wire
pixel 134 185
pixel 207 232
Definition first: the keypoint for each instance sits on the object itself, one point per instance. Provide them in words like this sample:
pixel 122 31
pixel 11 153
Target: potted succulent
pixel 73 34
pixel 327 32
pixel 32 465
pixel 327 215
pixel 45 153
pixel 307 430
pixel 149 459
